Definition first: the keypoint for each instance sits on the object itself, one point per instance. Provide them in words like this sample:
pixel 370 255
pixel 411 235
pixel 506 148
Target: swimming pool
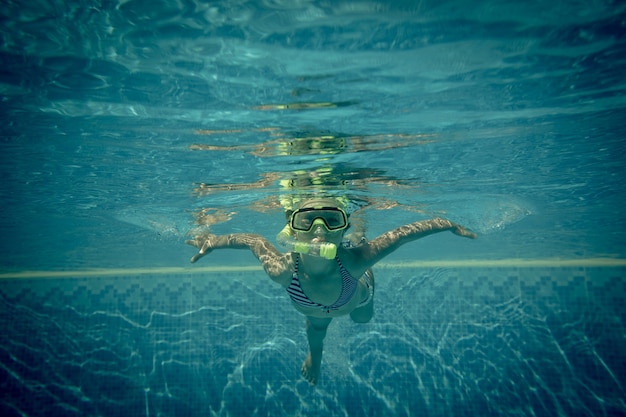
pixel 127 124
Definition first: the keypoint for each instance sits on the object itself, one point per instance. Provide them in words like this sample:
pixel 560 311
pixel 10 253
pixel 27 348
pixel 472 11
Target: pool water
pixel 129 126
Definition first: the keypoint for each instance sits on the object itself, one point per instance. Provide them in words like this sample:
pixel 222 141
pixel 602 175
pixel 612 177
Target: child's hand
pixel 205 243
pixel 461 231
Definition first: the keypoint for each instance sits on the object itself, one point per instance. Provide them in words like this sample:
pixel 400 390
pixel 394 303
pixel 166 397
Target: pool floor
pixel 445 341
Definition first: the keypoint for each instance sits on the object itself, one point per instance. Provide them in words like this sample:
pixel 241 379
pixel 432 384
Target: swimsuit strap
pixel 295 291
pixel 348 285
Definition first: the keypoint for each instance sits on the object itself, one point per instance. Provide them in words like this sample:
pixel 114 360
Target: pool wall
pixel 445 341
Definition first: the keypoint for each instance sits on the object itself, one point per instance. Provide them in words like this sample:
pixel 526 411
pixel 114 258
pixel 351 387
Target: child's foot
pixel 311 369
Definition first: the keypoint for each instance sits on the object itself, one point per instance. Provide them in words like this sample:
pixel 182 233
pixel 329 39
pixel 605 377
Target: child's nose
pixel 319 227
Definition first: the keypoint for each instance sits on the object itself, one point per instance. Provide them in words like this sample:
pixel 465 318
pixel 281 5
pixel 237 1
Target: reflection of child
pixel 323 277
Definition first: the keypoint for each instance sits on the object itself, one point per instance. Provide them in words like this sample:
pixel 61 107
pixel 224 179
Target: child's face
pixel 320 233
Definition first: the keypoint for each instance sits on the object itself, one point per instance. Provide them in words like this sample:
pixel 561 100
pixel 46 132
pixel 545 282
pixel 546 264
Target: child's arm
pixel 383 245
pixel 276 264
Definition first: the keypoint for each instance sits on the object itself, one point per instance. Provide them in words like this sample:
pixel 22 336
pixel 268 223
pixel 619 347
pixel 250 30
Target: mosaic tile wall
pixel 539 286
pixel 527 341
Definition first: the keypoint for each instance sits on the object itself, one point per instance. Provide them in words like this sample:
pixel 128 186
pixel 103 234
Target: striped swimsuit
pixel 348 288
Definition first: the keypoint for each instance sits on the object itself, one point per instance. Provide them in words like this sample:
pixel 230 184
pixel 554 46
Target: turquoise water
pixel 128 124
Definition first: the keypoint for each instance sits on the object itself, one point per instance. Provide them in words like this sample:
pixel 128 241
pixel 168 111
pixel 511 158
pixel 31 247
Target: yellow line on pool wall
pixel 461 263
pixel 93 273
pixel 513 263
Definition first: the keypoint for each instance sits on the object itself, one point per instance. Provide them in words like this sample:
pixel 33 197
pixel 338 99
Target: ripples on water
pixel 187 108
